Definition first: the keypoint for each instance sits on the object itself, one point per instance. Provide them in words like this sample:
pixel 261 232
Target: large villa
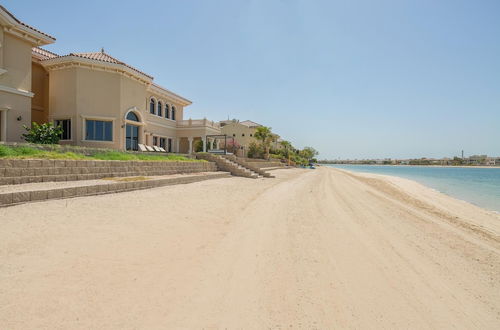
pixel 98 100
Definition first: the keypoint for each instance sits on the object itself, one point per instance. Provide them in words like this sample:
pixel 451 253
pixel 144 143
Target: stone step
pixel 90 176
pixel 16 172
pixel 43 163
pixel 35 192
pixel 228 165
pixel 261 172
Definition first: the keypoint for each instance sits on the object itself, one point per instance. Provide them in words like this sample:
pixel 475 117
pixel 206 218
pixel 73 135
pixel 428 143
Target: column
pixel 177 149
pixel 204 140
pixel 3 122
pixel 190 139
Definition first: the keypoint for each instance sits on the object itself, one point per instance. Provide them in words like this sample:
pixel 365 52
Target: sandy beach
pixel 311 249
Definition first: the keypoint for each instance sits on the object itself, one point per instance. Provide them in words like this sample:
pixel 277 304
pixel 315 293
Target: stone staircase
pixel 20 171
pixel 242 162
pixel 229 165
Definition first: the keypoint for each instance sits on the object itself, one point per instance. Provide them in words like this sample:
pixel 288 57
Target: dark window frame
pixel 159 109
pixel 66 131
pixel 152 106
pixel 92 128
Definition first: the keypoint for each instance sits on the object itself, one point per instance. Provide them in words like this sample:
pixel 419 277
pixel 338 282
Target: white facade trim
pixel 11 90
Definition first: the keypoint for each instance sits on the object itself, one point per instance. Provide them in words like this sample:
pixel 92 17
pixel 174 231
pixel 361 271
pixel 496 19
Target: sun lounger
pixel 156 148
pixel 161 149
pixel 142 147
pixel 149 148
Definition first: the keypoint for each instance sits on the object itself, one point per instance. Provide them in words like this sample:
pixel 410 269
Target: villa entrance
pixel 132 137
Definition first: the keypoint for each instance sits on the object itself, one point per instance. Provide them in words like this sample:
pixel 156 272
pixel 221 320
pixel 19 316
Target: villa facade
pixel 98 100
pixel 242 132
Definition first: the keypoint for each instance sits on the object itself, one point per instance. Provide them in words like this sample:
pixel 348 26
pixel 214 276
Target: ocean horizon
pixel 477 185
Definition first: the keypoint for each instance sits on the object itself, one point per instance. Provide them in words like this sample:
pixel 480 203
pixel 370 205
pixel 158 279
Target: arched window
pixel 132 116
pixel 173 113
pixel 152 106
pixel 159 109
pixel 167 111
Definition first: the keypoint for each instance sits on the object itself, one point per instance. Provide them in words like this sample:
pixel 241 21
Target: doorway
pixel 132 137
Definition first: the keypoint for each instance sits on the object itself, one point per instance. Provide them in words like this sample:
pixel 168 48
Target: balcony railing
pixel 198 123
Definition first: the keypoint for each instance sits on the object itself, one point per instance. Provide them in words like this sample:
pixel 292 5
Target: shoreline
pixel 392 178
pixel 399 165
pixel 324 248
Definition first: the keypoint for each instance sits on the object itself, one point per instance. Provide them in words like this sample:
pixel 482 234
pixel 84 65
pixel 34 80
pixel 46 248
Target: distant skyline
pixel 353 79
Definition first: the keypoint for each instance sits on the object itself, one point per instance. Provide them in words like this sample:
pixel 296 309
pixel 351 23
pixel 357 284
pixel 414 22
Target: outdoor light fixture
pixel 19 118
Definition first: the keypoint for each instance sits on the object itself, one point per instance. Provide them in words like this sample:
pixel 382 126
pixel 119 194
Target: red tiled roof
pixel 42 54
pixel 250 123
pixel 103 57
pixel 24 24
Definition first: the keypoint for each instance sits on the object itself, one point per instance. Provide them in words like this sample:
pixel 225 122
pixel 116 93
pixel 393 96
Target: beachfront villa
pixel 243 133
pixel 98 100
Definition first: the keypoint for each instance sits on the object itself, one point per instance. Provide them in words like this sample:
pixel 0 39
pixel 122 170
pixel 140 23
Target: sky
pixel 353 79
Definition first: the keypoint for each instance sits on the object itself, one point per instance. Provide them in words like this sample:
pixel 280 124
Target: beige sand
pixel 310 249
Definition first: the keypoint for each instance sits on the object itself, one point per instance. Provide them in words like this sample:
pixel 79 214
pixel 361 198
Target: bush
pixel 43 134
pixel 255 150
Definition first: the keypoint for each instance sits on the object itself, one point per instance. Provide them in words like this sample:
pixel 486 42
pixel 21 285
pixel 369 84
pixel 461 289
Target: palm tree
pixel 287 145
pixel 264 134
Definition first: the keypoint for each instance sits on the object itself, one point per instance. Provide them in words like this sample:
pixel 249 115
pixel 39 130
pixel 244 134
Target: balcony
pixel 198 123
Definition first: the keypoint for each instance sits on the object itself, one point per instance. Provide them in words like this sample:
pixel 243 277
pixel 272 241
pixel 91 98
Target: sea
pixel 479 186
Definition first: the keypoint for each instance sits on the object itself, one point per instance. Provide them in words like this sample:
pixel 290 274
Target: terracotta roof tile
pixel 43 54
pixel 103 57
pixel 24 24
pixel 250 123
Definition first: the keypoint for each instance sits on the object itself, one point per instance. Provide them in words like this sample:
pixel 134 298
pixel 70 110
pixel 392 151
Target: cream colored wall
pixel 238 130
pixel 16 59
pixel 156 125
pixel 62 98
pixel 98 97
pixel 40 87
pixel 17 62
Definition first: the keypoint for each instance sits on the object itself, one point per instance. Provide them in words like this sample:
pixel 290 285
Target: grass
pixel 26 152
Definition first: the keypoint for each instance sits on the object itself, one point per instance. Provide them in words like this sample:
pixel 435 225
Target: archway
pixel 132 131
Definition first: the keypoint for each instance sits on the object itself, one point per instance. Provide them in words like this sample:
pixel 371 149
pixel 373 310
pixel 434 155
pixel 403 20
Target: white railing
pixel 198 123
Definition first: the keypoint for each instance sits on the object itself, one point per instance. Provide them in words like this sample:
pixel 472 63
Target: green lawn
pixel 26 152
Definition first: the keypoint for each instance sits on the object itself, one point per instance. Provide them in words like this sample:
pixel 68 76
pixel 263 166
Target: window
pixel 159 109
pixel 169 149
pixel 250 134
pixel 162 143
pixel 152 106
pixel 243 134
pixel 132 116
pixel 66 127
pixel 173 113
pixel 155 140
pixel 234 134
pixel 167 111
pixel 98 130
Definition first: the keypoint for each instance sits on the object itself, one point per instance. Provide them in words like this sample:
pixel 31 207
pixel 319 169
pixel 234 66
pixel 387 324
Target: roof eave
pixel 17 28
pixel 179 99
pixel 78 59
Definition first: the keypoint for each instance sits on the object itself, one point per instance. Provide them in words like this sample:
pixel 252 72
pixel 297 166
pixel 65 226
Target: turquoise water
pixel 479 186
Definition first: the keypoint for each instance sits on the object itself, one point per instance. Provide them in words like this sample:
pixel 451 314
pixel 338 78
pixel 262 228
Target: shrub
pixel 42 134
pixel 255 150
pixel 233 146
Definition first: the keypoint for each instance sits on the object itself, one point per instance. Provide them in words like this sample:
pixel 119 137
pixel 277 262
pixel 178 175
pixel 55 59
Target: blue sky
pixel 354 79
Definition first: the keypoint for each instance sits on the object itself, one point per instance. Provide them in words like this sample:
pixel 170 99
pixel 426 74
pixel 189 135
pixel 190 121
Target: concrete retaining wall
pixel 18 171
